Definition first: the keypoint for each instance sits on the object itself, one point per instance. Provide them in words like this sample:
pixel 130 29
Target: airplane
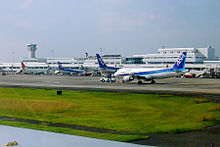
pixel 147 74
pixel 106 71
pixel 33 69
pixel 71 71
pixel 195 73
pixel 2 71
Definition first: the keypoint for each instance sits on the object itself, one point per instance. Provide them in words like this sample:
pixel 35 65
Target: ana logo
pixel 102 62
pixel 180 59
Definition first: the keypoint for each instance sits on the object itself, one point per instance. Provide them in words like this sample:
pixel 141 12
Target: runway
pixel 180 86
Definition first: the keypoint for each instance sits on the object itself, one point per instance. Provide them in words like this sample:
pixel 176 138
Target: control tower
pixel 31 48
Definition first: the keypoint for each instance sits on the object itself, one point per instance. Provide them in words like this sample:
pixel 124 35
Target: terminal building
pixel 170 55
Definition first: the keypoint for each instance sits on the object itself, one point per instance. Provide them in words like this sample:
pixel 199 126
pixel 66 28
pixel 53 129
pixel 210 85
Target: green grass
pixel 126 112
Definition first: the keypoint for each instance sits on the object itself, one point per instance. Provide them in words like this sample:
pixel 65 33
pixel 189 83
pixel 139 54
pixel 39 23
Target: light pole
pixel 52 51
pixel 100 51
pixel 13 60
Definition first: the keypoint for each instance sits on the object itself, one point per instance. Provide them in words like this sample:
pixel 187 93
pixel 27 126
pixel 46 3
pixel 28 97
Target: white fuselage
pixel 148 73
pixel 30 70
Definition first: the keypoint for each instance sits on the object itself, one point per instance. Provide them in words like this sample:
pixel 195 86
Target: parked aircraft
pixel 33 69
pixel 72 71
pixel 2 71
pixel 106 71
pixel 195 73
pixel 147 74
pixel 68 71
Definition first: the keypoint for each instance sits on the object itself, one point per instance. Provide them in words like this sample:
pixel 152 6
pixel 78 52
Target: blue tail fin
pixel 100 61
pixel 180 63
pixel 60 66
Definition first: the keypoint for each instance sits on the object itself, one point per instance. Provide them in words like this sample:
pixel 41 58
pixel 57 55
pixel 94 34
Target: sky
pixel 69 28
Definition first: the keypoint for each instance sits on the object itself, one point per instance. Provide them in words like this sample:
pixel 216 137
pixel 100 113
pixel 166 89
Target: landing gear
pixel 140 82
pixel 152 81
pixel 102 80
pixel 108 80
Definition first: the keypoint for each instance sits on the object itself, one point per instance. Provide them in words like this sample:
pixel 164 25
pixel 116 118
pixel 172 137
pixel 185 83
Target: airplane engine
pixel 127 78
